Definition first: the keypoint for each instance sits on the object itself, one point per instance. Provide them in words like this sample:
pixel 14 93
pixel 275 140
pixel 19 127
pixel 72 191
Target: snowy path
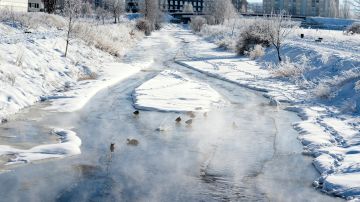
pixel 246 151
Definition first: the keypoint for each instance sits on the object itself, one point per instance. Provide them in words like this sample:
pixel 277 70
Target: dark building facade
pixel 178 5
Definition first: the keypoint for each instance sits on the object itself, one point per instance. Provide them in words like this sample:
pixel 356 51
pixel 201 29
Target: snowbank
pixel 69 145
pixel 173 91
pixel 32 65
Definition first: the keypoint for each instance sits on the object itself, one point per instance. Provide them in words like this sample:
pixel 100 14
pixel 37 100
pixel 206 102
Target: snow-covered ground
pixel 173 91
pixel 324 94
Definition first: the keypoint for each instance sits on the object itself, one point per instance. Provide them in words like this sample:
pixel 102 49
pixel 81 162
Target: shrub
pixel 210 20
pixel 353 29
pixel 322 91
pixel 197 23
pixel 252 35
pixel 10 78
pixel 357 86
pixel 88 76
pixel 288 69
pixel 144 26
pixel 257 52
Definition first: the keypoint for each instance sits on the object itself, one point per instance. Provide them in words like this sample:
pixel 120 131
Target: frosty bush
pixel 257 52
pixel 144 26
pixel 10 78
pixel 31 20
pixel 252 35
pixel 357 86
pixel 353 29
pixel 114 38
pixel 197 23
pixel 322 91
pixel 210 20
pixel 288 69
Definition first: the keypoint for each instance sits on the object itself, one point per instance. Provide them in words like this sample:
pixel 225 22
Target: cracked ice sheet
pixel 174 91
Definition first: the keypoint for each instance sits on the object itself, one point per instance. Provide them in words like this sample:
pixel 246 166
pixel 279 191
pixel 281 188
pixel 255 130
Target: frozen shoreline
pixel 327 134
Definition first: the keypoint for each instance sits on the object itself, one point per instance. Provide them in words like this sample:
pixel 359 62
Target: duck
pixel 112 147
pixel 189 122
pixel 133 142
pixel 136 112
pixel 178 119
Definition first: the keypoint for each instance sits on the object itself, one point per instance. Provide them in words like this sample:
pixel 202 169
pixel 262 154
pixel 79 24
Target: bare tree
pixel 278 28
pixel 345 10
pixel 116 7
pixel 72 10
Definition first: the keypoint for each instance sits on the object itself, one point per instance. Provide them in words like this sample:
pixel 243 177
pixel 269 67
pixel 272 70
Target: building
pixel 323 8
pixel 35 6
pixel 132 6
pixel 178 5
pixel 256 8
pixel 14 5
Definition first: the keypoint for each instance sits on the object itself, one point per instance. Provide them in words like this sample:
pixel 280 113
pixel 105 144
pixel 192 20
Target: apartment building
pixel 323 8
pixel 14 5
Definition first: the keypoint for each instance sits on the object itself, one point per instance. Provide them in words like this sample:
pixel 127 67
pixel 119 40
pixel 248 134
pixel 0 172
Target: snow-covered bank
pixel 318 80
pixel 173 91
pixel 32 64
pixel 69 145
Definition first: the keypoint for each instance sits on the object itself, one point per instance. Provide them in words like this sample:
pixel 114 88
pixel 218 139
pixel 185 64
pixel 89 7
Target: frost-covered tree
pixel 279 27
pixel 188 7
pixel 345 9
pixel 151 11
pixel 116 7
pixel 72 10
pixel 101 13
pixel 356 5
pixel 221 10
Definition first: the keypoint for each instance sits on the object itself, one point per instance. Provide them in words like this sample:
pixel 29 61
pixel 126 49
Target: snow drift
pixel 173 91
pixel 69 145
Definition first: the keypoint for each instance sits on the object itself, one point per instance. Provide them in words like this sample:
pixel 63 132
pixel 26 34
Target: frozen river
pixel 256 159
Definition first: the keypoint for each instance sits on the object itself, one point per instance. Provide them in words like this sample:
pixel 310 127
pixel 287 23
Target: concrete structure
pixel 35 6
pixel 323 8
pixel 14 5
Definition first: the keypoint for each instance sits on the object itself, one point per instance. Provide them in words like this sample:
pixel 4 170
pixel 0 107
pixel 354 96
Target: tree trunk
pixel 68 36
pixel 278 52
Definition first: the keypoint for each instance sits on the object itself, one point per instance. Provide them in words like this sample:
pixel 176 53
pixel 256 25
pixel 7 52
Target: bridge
pixel 180 17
